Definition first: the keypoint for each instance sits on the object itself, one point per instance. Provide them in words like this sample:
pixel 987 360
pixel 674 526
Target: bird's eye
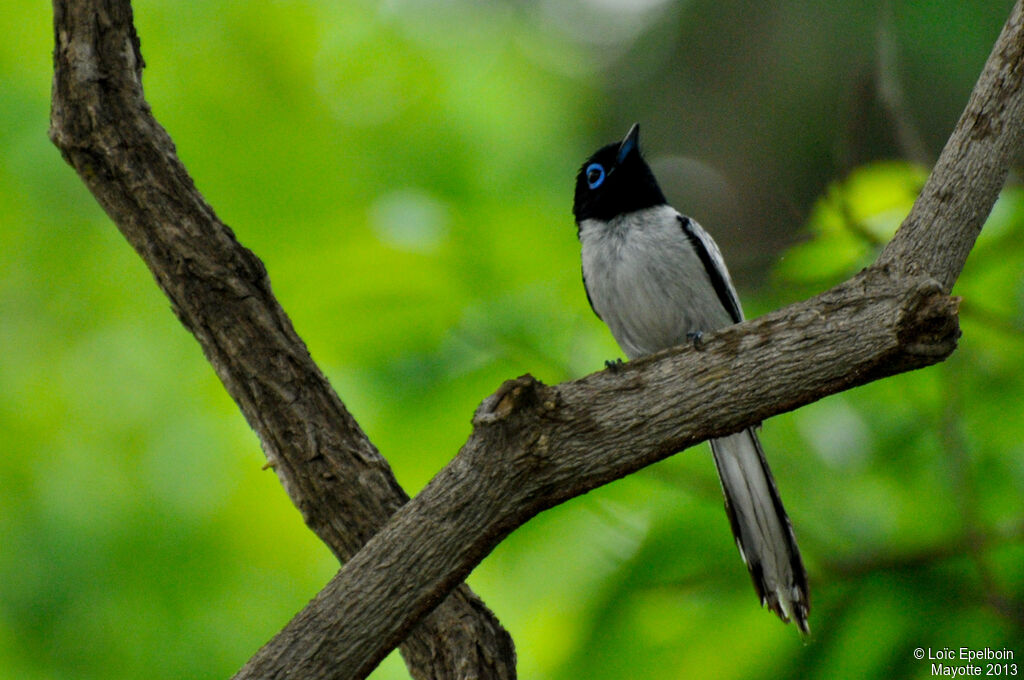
pixel 595 175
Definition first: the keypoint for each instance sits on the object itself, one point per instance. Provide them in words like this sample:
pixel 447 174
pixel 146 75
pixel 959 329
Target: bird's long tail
pixel 762 529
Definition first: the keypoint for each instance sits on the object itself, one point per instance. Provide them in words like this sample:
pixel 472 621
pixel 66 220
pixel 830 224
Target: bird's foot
pixel 613 366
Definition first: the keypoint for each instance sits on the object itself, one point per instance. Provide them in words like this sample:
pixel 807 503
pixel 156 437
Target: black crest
pixel 614 181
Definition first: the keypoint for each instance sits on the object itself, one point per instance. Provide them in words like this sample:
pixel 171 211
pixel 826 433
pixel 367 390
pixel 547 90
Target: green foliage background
pixel 405 172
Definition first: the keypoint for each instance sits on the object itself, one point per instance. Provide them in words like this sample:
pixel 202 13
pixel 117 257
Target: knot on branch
pixel 514 395
pixel 929 326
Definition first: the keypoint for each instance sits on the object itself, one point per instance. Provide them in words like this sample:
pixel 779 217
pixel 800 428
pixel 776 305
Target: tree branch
pixel 535 446
pixel 220 292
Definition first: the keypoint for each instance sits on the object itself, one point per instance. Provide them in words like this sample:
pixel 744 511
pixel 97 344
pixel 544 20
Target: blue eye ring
pixel 595 175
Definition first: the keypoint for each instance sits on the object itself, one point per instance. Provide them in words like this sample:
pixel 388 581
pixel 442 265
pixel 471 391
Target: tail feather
pixel 762 529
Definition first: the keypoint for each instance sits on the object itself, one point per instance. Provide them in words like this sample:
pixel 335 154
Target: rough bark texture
pixel 535 446
pixel 220 292
pixel 532 446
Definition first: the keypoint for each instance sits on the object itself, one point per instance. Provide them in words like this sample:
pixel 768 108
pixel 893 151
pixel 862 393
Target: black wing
pixel 709 256
pixel 587 291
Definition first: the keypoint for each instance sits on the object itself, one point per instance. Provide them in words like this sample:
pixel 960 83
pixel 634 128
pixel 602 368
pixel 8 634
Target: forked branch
pixel 533 446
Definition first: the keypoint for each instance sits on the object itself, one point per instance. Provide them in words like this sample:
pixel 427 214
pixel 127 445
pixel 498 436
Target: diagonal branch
pixel 534 446
pixel 220 292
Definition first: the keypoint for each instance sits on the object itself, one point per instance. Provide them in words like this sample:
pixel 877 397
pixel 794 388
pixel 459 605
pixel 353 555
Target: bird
pixel 657 279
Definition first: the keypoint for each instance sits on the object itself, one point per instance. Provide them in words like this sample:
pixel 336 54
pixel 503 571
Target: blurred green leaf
pixel 854 216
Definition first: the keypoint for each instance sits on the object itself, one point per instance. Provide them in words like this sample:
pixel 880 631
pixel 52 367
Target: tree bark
pixel 220 291
pixel 533 446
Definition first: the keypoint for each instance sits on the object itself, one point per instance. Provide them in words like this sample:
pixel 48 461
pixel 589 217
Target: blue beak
pixel 629 143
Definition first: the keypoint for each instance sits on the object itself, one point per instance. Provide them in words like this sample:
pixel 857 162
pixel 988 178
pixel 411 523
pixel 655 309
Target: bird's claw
pixel 613 366
pixel 697 338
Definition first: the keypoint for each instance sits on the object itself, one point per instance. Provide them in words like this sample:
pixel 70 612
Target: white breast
pixel 647 282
